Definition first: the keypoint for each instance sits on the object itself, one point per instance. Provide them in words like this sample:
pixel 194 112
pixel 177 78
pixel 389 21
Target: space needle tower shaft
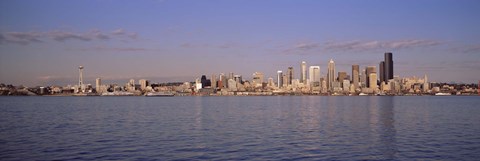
pixel 80 78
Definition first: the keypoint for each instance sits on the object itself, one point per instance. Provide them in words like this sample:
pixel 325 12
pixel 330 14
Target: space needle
pixel 80 79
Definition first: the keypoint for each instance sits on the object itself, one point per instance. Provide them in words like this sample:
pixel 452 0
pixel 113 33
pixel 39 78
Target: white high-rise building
pixel 143 84
pixel 426 85
pixel 279 79
pixel 314 75
pixel 98 84
pixel 303 72
pixel 198 84
pixel 331 74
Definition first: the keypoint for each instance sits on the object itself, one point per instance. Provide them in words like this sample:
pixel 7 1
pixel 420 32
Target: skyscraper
pixel 143 84
pixel 388 66
pixel 303 73
pixel 381 68
pixel 373 81
pixel 342 76
pixel 232 85
pixel 205 82
pixel 355 75
pixel 289 75
pixel 369 70
pixel 98 83
pixel 257 79
pixel 314 75
pixel 132 82
pixel 270 82
pixel 213 81
pixel 363 79
pixel 230 75
pixel 279 79
pixel 223 81
pixel 426 85
pixel 131 85
pixel 330 74
pixel 238 78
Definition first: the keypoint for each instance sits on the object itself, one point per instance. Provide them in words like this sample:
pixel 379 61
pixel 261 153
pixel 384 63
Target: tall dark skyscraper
pixel 381 68
pixel 205 82
pixel 388 68
pixel 290 75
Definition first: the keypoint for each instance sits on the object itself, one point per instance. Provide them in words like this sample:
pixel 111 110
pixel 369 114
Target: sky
pixel 42 42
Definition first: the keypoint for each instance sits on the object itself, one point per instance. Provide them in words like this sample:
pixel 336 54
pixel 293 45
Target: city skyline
pixel 166 41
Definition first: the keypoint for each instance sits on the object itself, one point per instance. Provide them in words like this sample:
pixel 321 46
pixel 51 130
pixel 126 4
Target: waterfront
pixel 236 128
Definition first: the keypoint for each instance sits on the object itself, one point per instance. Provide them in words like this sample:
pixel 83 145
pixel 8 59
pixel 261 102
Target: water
pixel 240 128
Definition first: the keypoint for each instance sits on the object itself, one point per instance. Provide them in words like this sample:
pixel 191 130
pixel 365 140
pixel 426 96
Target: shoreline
pixel 233 95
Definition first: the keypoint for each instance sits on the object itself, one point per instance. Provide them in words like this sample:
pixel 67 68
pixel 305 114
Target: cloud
pixel 351 45
pixel 227 45
pixel 118 32
pixel 122 32
pixel 306 46
pixel 403 44
pixel 119 49
pixel 376 45
pixel 99 35
pixel 303 48
pixel 63 36
pixel 115 49
pixel 25 38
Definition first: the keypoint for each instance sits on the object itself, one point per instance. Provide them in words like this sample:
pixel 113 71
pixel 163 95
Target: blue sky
pixel 42 42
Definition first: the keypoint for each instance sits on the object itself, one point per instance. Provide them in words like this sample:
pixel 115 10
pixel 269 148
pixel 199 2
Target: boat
pixel 85 94
pixel 443 94
pixel 118 93
pixel 159 94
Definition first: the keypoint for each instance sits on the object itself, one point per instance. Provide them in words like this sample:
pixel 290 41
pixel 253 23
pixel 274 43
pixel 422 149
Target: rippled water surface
pixel 240 128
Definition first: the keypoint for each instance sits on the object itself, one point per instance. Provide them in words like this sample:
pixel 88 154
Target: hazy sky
pixel 43 41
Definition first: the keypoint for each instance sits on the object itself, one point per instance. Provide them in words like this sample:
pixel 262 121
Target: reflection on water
pixel 364 125
pixel 239 128
pixel 387 132
pixel 198 108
